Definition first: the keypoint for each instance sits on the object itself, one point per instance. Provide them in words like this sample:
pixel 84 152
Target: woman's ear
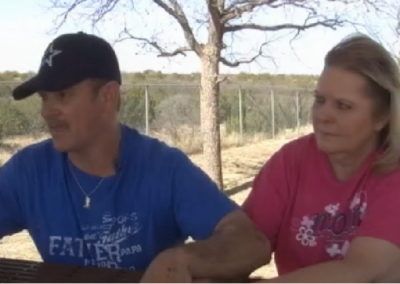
pixel 381 121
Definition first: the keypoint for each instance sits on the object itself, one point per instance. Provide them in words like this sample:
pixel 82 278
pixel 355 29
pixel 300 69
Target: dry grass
pixel 12 144
pixel 189 138
pixel 240 165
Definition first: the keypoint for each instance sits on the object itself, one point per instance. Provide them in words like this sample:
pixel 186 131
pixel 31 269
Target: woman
pixel 329 202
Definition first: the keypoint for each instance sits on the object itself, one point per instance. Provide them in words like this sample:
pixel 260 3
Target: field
pixel 240 165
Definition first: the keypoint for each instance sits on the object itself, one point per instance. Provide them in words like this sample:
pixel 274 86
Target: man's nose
pixel 50 108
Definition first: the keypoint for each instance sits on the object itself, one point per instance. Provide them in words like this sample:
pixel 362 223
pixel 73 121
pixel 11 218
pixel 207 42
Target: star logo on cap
pixel 50 53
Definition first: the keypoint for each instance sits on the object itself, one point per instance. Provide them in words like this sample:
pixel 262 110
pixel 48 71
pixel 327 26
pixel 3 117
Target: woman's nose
pixel 324 112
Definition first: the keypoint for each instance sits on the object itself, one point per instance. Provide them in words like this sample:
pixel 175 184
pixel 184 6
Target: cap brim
pixel 41 83
pixel 27 88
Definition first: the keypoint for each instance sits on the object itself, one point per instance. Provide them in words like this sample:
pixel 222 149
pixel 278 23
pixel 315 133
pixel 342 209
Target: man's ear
pixel 110 94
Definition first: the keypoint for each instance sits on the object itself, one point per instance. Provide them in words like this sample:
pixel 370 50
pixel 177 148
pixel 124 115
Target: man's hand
pixel 169 266
pixel 232 252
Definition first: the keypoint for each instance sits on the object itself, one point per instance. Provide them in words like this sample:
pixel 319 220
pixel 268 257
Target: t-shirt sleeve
pixel 268 199
pixel 11 219
pixel 198 203
pixel 382 211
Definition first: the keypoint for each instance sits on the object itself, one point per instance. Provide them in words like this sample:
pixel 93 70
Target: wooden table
pixel 22 271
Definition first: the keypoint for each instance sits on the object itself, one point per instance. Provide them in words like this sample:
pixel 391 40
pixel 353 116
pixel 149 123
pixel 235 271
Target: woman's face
pixel 342 113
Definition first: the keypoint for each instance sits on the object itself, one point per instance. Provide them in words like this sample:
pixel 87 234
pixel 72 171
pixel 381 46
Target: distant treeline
pixel 157 77
pixel 168 103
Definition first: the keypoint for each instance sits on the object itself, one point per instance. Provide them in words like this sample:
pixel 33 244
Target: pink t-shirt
pixel 309 216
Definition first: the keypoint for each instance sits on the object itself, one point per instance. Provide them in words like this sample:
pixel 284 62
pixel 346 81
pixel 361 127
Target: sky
pixel 26 30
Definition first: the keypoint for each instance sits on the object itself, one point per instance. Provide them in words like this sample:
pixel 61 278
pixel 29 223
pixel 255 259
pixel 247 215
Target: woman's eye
pixel 318 100
pixel 344 106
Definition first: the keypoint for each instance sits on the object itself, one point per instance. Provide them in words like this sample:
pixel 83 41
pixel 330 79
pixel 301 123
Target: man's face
pixel 75 116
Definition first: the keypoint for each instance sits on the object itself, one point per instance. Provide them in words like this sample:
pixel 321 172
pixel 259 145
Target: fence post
pixel 146 105
pixel 272 114
pixel 241 114
pixel 298 113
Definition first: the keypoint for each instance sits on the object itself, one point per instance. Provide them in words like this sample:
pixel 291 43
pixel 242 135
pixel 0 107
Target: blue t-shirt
pixel 156 200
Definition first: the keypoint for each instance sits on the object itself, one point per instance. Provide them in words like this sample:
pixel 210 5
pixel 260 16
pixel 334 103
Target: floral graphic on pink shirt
pixel 333 227
pixel 332 208
pixel 363 209
pixel 345 247
pixel 356 201
pixel 307 222
pixel 334 250
pixel 306 233
pixel 305 236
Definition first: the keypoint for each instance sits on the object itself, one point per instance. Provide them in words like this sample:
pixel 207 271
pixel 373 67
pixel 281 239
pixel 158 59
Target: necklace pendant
pixel 87 202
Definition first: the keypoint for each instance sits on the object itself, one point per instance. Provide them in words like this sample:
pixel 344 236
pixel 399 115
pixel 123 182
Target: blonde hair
pixel 361 54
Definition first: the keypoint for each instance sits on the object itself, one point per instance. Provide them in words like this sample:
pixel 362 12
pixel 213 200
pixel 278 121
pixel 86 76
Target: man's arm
pixel 368 260
pixel 235 250
pixel 227 244
pixel 11 217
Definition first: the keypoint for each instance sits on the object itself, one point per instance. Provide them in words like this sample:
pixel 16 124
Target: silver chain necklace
pixel 87 196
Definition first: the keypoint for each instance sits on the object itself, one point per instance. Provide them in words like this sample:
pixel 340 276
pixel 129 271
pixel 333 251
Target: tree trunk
pixel 209 95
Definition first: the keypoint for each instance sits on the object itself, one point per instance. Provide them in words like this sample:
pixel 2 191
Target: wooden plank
pixel 24 271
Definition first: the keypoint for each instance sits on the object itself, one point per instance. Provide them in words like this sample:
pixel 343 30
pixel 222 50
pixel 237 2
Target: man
pixel 99 193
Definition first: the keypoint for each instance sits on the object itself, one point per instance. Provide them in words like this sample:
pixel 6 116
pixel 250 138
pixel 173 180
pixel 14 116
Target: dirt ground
pixel 240 165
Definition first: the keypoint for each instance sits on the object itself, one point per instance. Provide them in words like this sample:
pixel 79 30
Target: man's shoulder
pixel 37 152
pixel 43 147
pixel 154 149
pixel 31 160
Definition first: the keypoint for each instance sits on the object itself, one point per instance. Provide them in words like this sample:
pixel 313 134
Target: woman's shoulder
pixel 298 147
pixel 292 156
pixel 391 177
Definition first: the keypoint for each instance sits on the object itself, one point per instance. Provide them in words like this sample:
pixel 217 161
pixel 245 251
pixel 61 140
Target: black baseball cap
pixel 70 59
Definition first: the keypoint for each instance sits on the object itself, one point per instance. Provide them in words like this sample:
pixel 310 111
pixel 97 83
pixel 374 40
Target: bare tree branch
pixel 237 3
pixel 125 35
pixel 236 63
pixel 329 23
pixel 64 15
pixel 222 79
pixel 177 13
pixel 233 11
pixel 104 8
pixel 397 28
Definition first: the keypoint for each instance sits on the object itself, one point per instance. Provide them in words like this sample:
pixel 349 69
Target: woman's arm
pixel 393 274
pixel 368 260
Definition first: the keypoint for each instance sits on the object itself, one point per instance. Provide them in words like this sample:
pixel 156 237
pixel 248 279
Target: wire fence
pixel 172 113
